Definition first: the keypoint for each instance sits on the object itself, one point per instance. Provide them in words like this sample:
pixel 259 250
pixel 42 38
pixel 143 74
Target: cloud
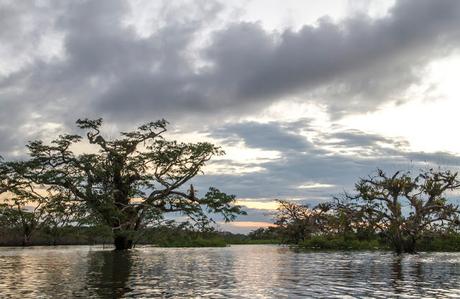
pixel 352 66
pixel 104 66
pixel 268 136
pixel 356 138
pixel 333 159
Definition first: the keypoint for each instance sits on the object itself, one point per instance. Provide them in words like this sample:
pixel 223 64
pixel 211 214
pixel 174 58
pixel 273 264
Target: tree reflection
pixel 397 277
pixel 109 272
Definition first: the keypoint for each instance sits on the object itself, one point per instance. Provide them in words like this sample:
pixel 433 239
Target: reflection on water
pixel 108 273
pixel 252 271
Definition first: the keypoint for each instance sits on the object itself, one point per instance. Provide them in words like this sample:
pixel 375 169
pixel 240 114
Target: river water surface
pixel 239 271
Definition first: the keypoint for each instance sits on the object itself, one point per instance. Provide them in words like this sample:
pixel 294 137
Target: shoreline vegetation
pixel 161 237
pixel 170 237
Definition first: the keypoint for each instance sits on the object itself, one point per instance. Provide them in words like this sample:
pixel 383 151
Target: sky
pixel 305 97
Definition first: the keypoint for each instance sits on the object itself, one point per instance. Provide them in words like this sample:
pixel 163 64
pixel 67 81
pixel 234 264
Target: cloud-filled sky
pixel 304 96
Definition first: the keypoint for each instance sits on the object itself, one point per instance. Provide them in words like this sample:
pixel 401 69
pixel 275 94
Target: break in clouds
pixel 188 62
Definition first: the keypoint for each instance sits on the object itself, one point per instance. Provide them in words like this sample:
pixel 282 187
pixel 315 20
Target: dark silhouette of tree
pixel 26 206
pixel 129 180
pixel 297 222
pixel 402 206
pixel 269 233
pixel 108 273
pixel 351 220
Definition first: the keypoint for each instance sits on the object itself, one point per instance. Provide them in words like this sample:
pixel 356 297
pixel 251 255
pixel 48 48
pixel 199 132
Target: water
pixel 242 271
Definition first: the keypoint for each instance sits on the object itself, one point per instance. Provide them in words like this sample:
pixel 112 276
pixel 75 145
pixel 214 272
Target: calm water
pixel 244 271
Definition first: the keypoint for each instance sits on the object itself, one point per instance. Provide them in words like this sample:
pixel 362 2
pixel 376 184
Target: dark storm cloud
pixel 108 69
pixel 268 136
pixel 354 65
pixel 21 24
pixel 359 62
pixel 355 138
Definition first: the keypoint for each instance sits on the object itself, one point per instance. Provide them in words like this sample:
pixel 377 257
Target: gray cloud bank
pixel 105 67
pixel 337 159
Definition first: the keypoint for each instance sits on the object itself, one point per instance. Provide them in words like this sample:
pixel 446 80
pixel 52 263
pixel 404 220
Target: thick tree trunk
pixel 397 241
pixel 398 248
pixel 404 244
pixel 25 240
pixel 410 244
pixel 122 242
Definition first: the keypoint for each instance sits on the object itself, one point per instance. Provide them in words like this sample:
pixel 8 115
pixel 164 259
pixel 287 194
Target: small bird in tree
pixel 192 192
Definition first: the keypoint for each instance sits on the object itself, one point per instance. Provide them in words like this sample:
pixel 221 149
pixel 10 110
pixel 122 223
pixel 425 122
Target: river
pixel 238 271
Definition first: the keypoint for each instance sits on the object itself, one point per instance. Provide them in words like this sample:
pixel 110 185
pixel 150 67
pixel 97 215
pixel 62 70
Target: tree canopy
pixel 398 209
pixel 125 182
pixel 403 206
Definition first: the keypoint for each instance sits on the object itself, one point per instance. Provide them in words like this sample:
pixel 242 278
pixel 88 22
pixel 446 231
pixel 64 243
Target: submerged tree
pixel 403 207
pixel 351 220
pixel 296 222
pixel 128 180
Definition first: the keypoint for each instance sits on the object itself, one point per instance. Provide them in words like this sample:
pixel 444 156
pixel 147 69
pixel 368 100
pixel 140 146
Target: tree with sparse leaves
pixel 402 207
pixel 297 222
pixel 129 180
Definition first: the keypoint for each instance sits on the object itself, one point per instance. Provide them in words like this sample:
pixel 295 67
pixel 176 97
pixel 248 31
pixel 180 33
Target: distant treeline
pixel 67 235
pixel 165 235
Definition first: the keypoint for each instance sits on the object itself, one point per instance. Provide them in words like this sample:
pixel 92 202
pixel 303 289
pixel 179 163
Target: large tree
pixel 128 180
pixel 403 206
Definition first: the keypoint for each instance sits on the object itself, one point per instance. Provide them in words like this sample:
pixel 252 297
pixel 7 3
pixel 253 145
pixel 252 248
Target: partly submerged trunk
pixel 122 243
pixel 27 231
pixel 25 240
pixel 122 240
pixel 127 220
pixel 404 244
pixel 410 244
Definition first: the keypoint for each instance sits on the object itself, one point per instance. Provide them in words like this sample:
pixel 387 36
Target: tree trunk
pixel 122 242
pixel 398 248
pixel 397 242
pixel 410 244
pixel 402 244
pixel 25 240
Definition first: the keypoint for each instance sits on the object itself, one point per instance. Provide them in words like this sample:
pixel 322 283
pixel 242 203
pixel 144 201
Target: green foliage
pixel 441 242
pixel 340 243
pixel 194 242
pixel 65 235
pixel 269 233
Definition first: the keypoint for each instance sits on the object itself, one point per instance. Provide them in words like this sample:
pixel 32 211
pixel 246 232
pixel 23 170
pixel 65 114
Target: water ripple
pixel 243 271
